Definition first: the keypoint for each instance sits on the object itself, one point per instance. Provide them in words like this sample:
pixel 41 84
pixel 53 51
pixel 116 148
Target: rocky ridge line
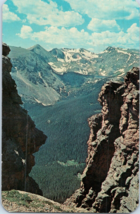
pixel 20 137
pixel 110 181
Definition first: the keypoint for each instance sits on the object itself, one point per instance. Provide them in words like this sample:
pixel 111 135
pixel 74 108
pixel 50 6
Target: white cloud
pixel 133 32
pixel 9 16
pixel 25 32
pixel 73 38
pixel 106 9
pixel 42 13
pixel 133 29
pixel 130 39
pixel 102 25
pixel 64 37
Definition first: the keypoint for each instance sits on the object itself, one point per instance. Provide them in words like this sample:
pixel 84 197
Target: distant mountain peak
pixel 57 52
pixel 110 48
pixel 37 46
pixel 82 49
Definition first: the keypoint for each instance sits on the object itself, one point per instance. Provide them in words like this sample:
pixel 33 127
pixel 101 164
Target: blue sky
pixel 89 24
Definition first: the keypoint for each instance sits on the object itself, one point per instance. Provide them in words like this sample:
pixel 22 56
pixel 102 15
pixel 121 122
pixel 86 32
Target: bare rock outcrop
pixel 20 137
pixel 110 181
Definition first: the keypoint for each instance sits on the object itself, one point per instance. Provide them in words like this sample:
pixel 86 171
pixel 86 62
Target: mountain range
pixel 49 76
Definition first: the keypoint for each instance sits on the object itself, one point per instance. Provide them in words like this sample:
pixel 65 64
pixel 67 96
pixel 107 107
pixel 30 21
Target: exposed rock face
pixel 5 49
pixel 20 138
pixel 110 181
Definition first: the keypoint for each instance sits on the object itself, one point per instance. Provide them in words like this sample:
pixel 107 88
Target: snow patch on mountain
pixel 103 73
pixel 69 58
pixel 61 60
pixel 121 70
pixel 37 100
pixel 132 63
pixel 124 52
pixel 89 55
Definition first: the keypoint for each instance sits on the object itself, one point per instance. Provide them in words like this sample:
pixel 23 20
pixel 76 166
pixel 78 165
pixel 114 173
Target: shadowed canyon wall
pixel 20 137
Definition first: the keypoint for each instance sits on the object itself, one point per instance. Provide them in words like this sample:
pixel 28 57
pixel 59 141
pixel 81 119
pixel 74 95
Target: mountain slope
pixel 34 77
pixel 25 202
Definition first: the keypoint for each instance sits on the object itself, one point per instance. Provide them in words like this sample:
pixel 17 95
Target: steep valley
pixel 65 124
pixel 60 88
pixel 67 130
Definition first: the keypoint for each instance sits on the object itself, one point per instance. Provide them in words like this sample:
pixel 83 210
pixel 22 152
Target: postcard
pixel 70 106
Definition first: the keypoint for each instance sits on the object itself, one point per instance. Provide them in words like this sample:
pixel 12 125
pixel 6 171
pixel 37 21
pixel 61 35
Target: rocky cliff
pixel 20 138
pixel 110 181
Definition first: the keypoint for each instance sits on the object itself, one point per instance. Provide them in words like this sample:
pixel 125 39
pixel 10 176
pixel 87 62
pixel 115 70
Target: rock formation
pixel 110 181
pixel 20 138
